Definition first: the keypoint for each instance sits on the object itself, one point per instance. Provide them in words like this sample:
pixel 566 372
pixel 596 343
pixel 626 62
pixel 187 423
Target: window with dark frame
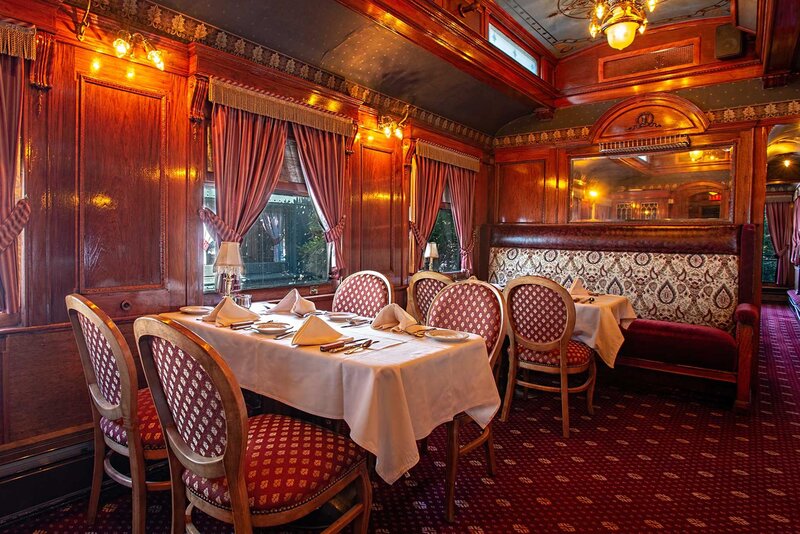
pixel 769 261
pixel 286 246
pixel 445 237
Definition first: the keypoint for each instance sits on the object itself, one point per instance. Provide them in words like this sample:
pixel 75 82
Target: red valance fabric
pixel 12 86
pixel 248 157
pixel 462 194
pixel 322 156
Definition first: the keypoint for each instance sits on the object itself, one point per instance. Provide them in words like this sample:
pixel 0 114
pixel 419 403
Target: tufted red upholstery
pixel 149 426
pixel 469 308
pixel 424 291
pixel 361 293
pixel 103 362
pixel 193 400
pixel 287 463
pixel 577 354
pixel 537 313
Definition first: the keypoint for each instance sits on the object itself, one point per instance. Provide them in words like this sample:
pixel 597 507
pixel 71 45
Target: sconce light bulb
pixel 156 59
pixel 600 10
pixel 651 5
pixel 787 162
pixel 593 193
pixel 398 132
pixel 387 131
pixel 121 47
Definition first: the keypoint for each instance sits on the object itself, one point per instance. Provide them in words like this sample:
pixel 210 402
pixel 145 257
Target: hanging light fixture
pixel 619 20
pixel 124 46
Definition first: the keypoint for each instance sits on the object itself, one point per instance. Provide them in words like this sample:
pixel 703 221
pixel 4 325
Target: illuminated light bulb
pixel 643 26
pixel 398 132
pixel 96 64
pixel 121 47
pixel 593 29
pixel 593 193
pixel 787 162
pixel 651 5
pixel 600 10
pixel 156 59
pixel 621 34
pixel 387 131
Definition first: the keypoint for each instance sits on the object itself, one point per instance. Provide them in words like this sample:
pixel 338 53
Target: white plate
pixel 341 317
pixel 196 310
pixel 447 336
pixel 272 328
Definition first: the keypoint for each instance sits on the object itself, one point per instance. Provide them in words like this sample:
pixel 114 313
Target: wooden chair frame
pixel 127 410
pixel 454 448
pixel 412 306
pixel 386 282
pixel 231 464
pixel 563 370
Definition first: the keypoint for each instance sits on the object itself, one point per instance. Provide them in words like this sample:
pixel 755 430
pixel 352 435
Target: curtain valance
pixel 261 103
pixel 17 39
pixel 425 149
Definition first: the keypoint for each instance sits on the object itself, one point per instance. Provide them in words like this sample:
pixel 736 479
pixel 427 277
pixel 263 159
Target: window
pixel 649 211
pixel 504 43
pixel 769 262
pixel 286 245
pixel 445 237
pixel 624 211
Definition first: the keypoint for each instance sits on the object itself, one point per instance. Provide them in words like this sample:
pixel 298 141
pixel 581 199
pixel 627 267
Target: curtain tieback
pixel 11 227
pixel 781 252
pixel 421 241
pixel 336 232
pixel 221 228
pixel 466 251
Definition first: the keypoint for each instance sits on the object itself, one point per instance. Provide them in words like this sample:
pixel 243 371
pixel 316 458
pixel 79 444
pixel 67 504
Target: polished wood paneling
pixel 122 188
pixel 520 191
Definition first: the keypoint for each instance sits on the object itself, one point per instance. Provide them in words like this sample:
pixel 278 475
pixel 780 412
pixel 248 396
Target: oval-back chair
pixel 364 293
pixel 422 288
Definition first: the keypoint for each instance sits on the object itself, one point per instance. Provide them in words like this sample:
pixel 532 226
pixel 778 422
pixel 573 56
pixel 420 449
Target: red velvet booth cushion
pixel 681 344
pixel 577 354
pixel 288 462
pixel 149 426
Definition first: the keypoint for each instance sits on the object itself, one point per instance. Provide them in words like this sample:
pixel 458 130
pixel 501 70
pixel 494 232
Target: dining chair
pixel 541 320
pixel 263 471
pixel 422 287
pixel 479 308
pixel 124 416
pixel 364 293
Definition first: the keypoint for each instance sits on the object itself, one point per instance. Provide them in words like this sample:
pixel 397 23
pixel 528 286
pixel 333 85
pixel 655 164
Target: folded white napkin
pixel 294 303
pixel 315 331
pixel 227 312
pixel 577 289
pixel 393 317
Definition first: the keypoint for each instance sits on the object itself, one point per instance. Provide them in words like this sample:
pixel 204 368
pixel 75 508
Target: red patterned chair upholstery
pixel 479 308
pixel 263 471
pixel 541 318
pixel 124 416
pixel 692 287
pixel 364 293
pixel 422 288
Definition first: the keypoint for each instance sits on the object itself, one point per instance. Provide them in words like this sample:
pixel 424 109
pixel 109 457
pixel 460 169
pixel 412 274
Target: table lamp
pixel 229 263
pixel 431 252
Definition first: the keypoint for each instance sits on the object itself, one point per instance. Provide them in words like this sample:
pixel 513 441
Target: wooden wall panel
pixel 520 192
pixel 121 187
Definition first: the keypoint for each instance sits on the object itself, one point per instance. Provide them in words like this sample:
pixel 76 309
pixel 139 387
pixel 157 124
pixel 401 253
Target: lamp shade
pixel 229 259
pixel 621 34
pixel 431 250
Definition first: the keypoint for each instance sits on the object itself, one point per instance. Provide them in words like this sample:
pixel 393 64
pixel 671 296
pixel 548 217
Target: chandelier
pixel 620 20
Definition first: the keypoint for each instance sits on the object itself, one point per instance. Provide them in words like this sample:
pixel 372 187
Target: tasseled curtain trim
pixel 447 155
pixel 17 40
pixel 236 96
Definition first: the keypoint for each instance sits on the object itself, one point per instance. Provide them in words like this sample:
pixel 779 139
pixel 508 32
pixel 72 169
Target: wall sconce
pixel 124 46
pixel 463 9
pixel 390 126
pixel 84 23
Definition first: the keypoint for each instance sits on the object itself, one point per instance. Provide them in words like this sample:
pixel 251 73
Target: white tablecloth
pixel 598 324
pixel 390 397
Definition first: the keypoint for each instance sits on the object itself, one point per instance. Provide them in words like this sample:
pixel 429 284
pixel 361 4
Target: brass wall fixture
pixel 464 8
pixel 84 23
pixel 124 45
pixel 390 126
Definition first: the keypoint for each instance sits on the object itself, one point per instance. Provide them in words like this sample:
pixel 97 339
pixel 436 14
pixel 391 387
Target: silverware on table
pixel 285 334
pixel 358 348
pixel 357 323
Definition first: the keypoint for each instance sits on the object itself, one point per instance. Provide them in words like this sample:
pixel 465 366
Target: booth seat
pixel 691 288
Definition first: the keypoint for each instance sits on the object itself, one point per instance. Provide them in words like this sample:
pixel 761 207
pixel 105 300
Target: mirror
pixel 690 184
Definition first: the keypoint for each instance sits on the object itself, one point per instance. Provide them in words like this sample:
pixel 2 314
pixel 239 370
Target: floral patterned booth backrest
pixel 692 275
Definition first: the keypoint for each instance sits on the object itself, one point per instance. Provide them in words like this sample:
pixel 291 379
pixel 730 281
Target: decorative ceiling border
pixel 770 110
pixel 163 20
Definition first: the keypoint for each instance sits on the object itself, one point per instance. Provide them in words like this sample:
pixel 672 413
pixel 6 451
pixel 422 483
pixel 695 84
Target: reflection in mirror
pixel 693 184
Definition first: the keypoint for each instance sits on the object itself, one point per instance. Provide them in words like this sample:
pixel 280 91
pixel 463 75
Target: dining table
pixel 391 394
pixel 599 320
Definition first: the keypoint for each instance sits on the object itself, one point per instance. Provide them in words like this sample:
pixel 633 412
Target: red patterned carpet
pixel 652 458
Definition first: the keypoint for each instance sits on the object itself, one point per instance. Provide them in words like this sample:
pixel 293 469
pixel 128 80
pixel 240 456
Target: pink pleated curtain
pixel 248 157
pixel 431 178
pixel 462 202
pixel 795 257
pixel 12 85
pixel 779 222
pixel 323 159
